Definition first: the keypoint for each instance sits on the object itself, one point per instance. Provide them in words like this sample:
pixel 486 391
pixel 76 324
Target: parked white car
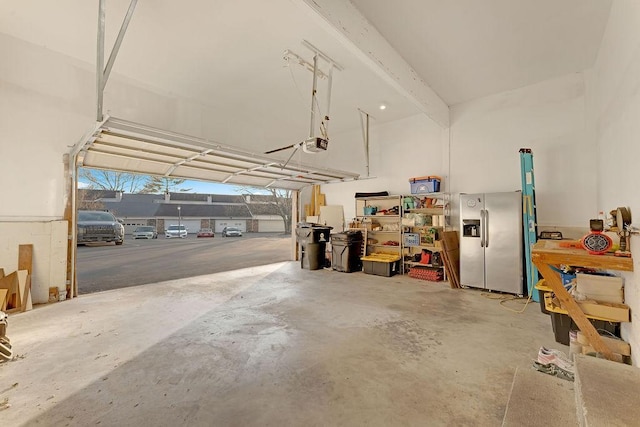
pixel 175 231
pixel 145 232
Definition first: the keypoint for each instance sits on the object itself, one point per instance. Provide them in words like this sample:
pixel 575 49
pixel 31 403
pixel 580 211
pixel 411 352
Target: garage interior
pixel 201 90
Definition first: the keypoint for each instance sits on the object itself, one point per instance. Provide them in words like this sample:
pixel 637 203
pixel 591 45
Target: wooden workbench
pixel 547 253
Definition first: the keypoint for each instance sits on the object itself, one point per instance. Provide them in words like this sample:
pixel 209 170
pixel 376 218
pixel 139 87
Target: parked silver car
pixel 145 232
pixel 231 232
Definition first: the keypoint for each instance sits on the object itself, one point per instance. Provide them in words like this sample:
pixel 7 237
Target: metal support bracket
pixel 364 125
pixel 102 72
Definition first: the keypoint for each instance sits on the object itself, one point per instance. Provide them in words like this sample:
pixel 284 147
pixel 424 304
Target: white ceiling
pixel 466 49
pixel 227 54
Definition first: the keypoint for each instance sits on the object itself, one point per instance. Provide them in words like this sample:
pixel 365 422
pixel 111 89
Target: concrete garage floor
pixel 271 346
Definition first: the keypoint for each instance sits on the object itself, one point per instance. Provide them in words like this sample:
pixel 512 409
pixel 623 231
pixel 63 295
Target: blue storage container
pixel 411 239
pixel 425 184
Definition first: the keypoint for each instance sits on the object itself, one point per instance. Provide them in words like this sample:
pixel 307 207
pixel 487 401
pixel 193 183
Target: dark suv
pixel 99 226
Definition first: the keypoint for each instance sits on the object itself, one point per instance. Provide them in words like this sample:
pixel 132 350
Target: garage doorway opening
pixel 122 146
pixel 222 232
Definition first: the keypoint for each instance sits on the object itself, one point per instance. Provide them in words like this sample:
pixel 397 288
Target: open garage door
pixel 118 145
pixel 130 147
pixel 271 225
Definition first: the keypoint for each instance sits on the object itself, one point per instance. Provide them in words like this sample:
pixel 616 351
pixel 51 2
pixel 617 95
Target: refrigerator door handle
pixel 486 228
pixel 482 228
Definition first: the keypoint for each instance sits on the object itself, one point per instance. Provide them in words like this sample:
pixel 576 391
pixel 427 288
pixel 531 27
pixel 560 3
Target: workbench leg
pixel 553 280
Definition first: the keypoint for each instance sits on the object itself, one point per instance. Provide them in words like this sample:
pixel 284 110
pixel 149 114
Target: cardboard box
pixel 426 239
pixel 600 288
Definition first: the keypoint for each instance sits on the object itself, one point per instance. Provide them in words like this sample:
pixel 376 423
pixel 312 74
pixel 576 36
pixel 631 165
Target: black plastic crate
pixel 562 324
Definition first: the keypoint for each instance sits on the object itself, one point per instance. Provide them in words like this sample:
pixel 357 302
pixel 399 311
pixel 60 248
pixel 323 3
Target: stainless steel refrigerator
pixel 491 241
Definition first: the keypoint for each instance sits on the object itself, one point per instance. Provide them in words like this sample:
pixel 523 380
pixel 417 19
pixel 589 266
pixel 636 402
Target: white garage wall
pixel 45 107
pixel 49 239
pixel 549 118
pixel 399 150
pixel 615 112
pixel 485 138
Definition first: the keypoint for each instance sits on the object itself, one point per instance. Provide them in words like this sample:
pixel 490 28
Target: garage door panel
pixel 118 162
pixel 132 147
pixel 270 226
pixel 192 173
pixel 136 144
pixel 136 154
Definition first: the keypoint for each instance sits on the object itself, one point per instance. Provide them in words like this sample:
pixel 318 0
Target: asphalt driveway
pixel 138 262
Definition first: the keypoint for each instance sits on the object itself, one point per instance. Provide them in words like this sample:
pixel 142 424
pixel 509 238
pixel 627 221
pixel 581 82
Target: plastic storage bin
pixel 411 239
pixel 542 289
pixel 425 184
pixel 370 210
pixel 381 264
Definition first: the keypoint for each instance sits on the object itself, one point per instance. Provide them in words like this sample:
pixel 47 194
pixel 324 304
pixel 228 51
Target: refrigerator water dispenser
pixel 471 228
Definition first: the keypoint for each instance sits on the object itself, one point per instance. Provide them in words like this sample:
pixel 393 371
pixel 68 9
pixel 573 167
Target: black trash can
pixel 312 243
pixel 346 250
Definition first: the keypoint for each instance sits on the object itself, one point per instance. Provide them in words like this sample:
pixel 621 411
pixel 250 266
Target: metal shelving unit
pixel 390 225
pixel 441 212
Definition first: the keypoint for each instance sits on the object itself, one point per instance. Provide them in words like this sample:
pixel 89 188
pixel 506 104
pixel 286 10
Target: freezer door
pixel 471 238
pixel 503 244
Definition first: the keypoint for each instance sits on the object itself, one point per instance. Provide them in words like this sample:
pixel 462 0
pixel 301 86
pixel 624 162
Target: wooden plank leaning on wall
pixel 25 262
pixel 69 194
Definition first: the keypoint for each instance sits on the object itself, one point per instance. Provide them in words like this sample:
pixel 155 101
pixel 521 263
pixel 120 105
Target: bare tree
pixel 89 200
pixel 158 184
pixel 110 180
pixel 277 202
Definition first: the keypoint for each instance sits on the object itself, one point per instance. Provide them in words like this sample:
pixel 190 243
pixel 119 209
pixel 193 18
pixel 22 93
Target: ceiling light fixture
pixel 383 106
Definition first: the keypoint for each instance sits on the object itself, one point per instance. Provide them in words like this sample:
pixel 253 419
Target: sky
pixel 211 188
pixel 200 187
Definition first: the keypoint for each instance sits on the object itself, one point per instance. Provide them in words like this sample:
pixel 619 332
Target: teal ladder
pixel 529 221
